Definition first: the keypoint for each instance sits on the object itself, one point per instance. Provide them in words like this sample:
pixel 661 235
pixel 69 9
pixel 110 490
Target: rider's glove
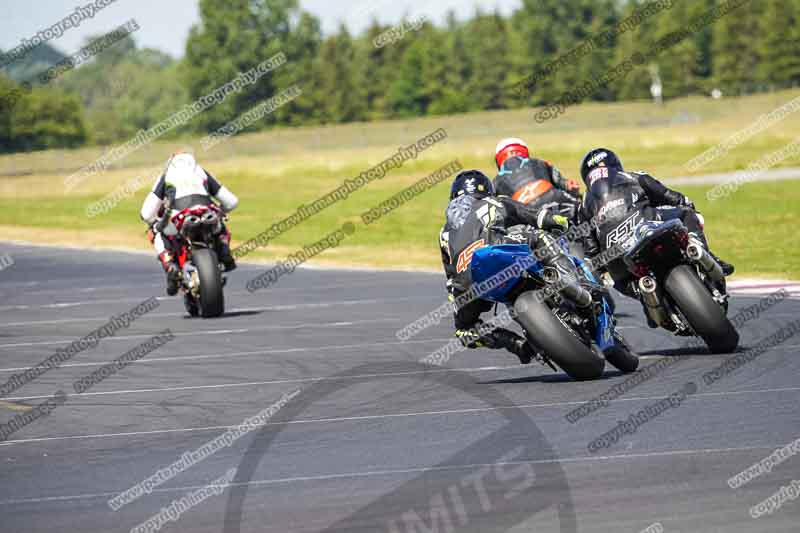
pixel 573 188
pixel 549 222
pixel 679 200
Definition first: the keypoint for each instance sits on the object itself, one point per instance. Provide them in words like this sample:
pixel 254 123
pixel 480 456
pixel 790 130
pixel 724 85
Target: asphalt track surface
pixel 372 441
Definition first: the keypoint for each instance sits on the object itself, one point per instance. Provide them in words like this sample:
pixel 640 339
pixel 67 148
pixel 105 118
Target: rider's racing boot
pixel 727 268
pixel 226 258
pixel 224 251
pixel 172 270
pixel 503 338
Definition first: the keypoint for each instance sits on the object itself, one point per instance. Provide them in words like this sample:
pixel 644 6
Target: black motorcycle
pixel 681 285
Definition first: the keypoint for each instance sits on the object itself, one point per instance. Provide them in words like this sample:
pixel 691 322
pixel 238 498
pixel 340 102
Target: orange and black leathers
pixel 535 182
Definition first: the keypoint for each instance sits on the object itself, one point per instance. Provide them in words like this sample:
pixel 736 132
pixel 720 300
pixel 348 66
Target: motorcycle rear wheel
pixel 705 316
pixel 212 299
pixel 559 344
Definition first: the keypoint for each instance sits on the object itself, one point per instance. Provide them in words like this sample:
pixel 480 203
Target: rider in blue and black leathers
pixel 613 195
pixel 475 219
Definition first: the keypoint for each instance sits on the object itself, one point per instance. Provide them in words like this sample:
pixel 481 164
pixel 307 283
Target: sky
pixel 164 24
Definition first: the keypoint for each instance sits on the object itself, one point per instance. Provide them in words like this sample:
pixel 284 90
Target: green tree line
pixel 461 65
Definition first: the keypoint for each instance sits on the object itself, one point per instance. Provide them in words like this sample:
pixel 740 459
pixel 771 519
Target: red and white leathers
pixel 185 183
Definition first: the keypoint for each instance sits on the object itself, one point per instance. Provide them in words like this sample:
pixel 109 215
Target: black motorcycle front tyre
pixel 621 357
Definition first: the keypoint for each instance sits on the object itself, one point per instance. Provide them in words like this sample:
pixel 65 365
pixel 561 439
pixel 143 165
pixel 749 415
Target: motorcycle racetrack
pixel 356 435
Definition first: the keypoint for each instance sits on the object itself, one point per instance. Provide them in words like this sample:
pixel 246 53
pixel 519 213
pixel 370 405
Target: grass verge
pixel 754 228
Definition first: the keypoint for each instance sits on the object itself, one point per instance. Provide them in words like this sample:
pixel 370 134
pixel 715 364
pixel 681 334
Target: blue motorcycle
pixel 566 314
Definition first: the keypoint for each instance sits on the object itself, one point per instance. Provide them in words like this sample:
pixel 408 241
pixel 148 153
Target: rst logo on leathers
pixel 623 232
pixel 465 257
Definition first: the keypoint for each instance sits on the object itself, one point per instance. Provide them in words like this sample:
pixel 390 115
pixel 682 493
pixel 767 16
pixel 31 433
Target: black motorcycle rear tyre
pixel 212 299
pixel 705 316
pixel 559 344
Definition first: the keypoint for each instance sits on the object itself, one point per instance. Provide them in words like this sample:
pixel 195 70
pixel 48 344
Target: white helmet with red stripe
pixel 509 148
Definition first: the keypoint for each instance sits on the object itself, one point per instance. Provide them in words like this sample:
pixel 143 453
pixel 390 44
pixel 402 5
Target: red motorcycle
pixel 201 279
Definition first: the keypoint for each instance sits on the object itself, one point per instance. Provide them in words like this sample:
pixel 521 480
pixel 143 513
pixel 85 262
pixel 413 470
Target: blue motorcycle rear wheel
pixel 560 345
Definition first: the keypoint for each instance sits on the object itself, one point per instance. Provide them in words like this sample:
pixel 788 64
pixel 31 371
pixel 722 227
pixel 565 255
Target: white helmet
pixel 508 148
pixel 182 161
